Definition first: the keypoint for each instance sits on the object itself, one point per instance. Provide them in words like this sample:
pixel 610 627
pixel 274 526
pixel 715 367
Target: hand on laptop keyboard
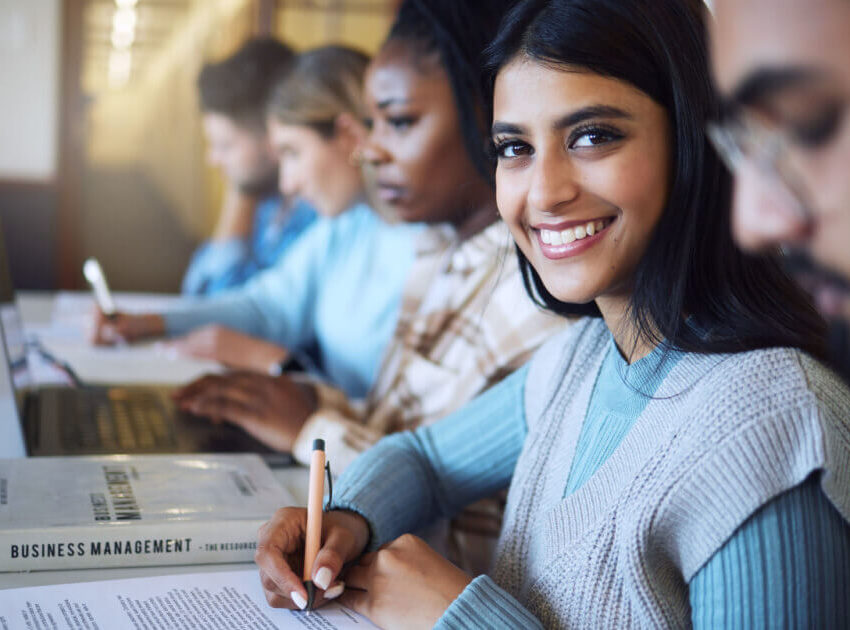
pixel 272 409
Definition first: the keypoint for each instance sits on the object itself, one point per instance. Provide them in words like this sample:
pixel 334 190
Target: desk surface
pixel 36 306
pixel 37 309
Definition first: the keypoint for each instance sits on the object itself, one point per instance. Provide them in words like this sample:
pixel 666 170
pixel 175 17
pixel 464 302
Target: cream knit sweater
pixel 723 435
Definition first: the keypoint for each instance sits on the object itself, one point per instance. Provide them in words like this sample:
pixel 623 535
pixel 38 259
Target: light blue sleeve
pixel 216 266
pixel 277 304
pixel 484 604
pixel 788 566
pixel 410 479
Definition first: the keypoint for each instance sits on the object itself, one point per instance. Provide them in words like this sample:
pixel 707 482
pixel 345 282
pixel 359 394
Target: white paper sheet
pixel 225 600
pixel 67 337
pixel 145 363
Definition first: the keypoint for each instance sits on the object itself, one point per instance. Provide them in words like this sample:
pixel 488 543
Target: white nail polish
pixel 323 578
pixel 335 591
pixel 299 601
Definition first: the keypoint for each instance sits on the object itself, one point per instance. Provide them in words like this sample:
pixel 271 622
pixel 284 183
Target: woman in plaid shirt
pixel 465 320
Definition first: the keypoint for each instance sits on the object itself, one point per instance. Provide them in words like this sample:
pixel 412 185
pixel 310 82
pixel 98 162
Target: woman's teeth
pixel 563 237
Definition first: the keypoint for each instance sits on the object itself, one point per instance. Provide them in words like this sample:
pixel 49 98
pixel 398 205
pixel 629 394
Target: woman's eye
pixel 400 123
pixel 588 138
pixel 513 149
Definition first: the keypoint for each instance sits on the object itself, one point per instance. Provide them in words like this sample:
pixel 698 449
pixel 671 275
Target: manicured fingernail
pixel 335 591
pixel 323 578
pixel 299 601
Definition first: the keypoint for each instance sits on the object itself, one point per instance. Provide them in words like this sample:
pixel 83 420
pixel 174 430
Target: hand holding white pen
pixel 112 327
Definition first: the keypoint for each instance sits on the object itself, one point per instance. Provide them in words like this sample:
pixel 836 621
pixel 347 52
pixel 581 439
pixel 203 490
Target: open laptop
pixel 97 419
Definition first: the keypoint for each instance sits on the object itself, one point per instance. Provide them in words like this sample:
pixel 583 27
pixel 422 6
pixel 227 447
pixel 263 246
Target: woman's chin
pixel 570 296
pixel 406 213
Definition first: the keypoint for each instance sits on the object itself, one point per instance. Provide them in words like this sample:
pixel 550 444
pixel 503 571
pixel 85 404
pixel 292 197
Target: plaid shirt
pixel 465 323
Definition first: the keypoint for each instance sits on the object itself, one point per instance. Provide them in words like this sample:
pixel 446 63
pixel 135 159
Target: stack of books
pixel 124 511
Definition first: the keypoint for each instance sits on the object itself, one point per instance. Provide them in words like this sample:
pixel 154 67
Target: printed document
pixel 226 600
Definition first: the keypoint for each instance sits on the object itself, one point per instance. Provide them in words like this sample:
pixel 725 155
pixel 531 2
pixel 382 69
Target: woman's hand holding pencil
pixel 280 555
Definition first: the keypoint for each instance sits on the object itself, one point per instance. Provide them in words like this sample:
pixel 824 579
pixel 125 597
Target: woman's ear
pixel 349 131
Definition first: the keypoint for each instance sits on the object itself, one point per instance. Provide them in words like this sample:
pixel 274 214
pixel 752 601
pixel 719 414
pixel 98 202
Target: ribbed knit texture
pixel 620 395
pixel 485 605
pixel 427 474
pixel 787 567
pixel 723 436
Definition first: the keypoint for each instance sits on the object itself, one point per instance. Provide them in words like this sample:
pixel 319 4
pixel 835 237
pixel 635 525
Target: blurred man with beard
pixel 256 225
pixel 783 67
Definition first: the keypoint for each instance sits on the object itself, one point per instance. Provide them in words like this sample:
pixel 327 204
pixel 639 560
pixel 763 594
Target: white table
pixel 37 309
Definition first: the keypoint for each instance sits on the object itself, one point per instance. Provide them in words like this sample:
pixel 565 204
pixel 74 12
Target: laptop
pixel 97 419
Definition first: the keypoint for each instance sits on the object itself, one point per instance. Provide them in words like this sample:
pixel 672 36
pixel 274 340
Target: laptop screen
pixel 14 373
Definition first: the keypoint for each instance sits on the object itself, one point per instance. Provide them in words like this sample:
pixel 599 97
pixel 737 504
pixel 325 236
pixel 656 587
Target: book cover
pixel 133 510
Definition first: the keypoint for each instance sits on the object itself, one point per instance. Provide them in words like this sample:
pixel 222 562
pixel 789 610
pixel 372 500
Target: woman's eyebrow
pixel 504 127
pixel 568 120
pixel 586 113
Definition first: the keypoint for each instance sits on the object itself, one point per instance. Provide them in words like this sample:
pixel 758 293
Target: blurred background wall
pixel 101 152
pixel 30 36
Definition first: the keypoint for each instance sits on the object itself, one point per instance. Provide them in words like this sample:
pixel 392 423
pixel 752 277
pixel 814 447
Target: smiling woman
pixel 682 461
pixel 636 154
pixel 601 160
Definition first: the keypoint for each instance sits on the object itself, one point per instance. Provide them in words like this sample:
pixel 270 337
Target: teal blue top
pixel 763 574
pixel 787 566
pixel 333 299
pixel 620 395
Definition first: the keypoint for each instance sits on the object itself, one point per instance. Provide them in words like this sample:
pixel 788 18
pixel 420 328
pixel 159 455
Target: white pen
pixel 97 280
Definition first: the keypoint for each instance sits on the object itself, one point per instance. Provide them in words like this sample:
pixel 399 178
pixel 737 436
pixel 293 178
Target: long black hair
pixel 458 31
pixel 691 266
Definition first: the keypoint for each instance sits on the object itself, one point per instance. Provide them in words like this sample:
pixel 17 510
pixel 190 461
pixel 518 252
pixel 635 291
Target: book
pixel 133 510
pixel 232 599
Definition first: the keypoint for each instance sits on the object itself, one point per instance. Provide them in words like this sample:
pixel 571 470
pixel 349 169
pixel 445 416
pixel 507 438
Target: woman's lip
pixel 390 193
pixel 387 183
pixel 568 250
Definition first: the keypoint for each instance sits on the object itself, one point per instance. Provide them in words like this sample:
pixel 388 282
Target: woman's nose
pixel 372 151
pixel 552 183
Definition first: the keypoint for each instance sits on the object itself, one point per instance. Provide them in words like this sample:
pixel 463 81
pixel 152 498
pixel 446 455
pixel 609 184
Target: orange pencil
pixel 313 539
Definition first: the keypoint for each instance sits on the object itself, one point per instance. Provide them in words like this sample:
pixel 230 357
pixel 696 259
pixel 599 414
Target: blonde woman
pixel 335 296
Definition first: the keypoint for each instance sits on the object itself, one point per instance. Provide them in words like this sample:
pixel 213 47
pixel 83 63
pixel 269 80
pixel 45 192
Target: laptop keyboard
pixel 116 419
